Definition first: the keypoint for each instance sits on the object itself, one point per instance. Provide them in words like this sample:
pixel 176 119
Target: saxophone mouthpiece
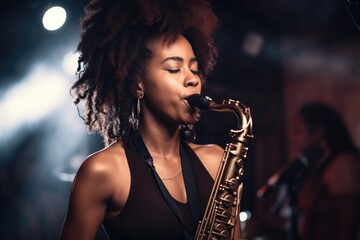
pixel 200 101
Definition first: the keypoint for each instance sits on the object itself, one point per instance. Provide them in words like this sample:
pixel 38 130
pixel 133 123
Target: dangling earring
pixel 135 113
pixel 187 132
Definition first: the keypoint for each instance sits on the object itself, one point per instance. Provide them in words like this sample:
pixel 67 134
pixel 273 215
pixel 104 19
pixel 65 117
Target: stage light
pixel 253 43
pixel 32 99
pixel 54 18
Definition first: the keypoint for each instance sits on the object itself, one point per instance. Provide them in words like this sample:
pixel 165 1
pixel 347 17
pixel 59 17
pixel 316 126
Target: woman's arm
pixel 90 193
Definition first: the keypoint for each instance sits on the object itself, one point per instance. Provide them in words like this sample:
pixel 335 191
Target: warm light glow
pixel 54 18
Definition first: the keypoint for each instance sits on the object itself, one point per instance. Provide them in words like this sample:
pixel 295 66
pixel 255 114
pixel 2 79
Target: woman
pixel 329 201
pixel 140 61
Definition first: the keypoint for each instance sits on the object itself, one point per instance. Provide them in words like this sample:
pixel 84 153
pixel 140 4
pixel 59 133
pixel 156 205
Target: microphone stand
pixel 293 188
pixel 293 192
pixel 293 175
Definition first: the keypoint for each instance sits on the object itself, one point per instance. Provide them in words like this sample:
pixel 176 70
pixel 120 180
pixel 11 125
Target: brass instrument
pixel 223 206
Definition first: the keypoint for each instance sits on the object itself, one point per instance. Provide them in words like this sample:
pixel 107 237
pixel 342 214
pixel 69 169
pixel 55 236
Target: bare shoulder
pixel 209 149
pixel 105 161
pixel 96 192
pixel 210 156
pixel 103 169
pixel 343 174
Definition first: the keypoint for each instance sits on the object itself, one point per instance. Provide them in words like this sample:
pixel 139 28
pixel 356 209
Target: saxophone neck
pixel 241 112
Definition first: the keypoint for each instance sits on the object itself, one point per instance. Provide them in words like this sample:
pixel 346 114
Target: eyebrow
pixel 179 59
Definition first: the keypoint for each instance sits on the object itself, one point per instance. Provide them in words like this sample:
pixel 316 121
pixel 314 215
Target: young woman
pixel 139 62
pixel 329 201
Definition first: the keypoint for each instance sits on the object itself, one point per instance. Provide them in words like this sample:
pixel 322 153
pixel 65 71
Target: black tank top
pixel 146 215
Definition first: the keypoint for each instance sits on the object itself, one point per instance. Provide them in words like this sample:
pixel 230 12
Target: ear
pixel 139 89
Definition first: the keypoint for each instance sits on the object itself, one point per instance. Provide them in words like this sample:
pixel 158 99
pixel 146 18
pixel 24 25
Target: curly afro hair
pixel 114 36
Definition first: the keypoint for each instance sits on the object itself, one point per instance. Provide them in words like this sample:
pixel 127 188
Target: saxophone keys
pixel 221 232
pixel 232 183
pixel 223 212
pixel 227 201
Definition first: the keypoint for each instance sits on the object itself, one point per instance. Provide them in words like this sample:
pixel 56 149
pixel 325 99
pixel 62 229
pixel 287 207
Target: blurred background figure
pixel 317 195
pixel 329 200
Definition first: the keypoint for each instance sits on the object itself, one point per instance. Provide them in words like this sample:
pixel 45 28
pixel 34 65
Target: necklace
pixel 169 178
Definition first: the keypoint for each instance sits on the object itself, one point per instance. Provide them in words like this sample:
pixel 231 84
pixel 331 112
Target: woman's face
pixel 303 136
pixel 300 133
pixel 171 75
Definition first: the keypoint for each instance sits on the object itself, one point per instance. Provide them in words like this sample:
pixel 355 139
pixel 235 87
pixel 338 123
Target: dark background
pixel 274 56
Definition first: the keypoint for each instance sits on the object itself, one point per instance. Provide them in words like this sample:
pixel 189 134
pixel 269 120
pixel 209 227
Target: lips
pixel 192 110
pixel 187 96
pixel 185 99
pixel 186 102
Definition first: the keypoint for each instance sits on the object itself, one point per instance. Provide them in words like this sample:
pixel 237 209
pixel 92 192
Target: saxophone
pixel 223 206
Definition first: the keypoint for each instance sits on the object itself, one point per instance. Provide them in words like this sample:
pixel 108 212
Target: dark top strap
pixel 190 185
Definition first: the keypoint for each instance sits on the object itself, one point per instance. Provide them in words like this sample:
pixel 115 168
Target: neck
pixel 161 142
pixel 160 134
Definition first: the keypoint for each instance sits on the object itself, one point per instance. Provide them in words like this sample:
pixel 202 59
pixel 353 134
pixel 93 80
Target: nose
pixel 192 79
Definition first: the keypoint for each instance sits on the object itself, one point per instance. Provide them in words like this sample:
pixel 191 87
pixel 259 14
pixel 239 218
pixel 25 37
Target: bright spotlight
pixel 54 18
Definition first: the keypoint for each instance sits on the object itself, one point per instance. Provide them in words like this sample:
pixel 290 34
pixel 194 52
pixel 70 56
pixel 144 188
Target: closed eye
pixel 195 72
pixel 173 70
